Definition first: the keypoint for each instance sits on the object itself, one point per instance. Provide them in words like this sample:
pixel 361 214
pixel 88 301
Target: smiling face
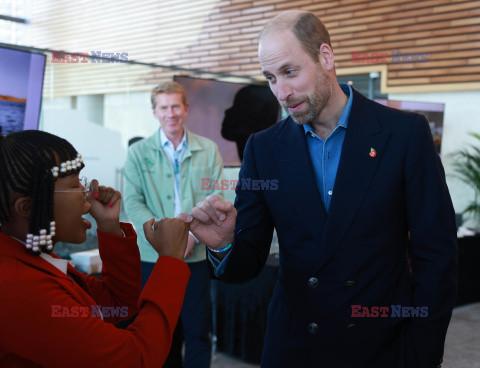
pixel 68 209
pixel 300 84
pixel 171 112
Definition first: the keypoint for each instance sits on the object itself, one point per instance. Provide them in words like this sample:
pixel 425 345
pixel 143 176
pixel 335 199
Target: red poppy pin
pixel 372 153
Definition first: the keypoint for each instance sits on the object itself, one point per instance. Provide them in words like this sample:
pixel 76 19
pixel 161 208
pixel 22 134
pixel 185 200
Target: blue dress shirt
pixel 325 154
pixel 175 156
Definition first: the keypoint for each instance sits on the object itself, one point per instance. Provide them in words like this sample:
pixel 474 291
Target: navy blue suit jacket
pixel 355 254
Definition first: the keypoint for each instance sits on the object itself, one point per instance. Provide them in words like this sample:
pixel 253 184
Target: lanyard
pixel 176 167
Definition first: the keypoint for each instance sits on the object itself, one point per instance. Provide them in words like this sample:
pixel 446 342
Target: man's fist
pixel 168 237
pixel 212 222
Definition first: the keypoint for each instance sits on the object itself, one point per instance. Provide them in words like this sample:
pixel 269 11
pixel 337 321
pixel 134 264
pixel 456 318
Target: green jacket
pixel 149 184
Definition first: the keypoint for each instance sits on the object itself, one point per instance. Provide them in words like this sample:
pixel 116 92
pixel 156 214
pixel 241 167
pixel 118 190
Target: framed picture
pixel 228 113
pixel 21 84
pixel 433 112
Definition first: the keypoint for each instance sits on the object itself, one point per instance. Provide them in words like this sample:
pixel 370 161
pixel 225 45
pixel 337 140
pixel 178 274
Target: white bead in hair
pixel 35 249
pixel 43 232
pixel 52 228
pixel 49 247
pixel 79 160
pixel 68 165
pixel 29 241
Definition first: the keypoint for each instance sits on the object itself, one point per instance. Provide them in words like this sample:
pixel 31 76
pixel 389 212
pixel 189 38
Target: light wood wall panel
pixel 221 36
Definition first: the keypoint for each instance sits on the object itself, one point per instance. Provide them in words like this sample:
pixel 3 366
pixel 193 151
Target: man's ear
pixel 23 206
pixel 326 56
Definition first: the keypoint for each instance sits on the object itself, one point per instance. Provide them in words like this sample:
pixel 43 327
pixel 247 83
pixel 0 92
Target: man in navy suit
pixel 358 190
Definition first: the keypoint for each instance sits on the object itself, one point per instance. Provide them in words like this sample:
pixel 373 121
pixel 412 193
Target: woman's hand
pixel 105 207
pixel 168 237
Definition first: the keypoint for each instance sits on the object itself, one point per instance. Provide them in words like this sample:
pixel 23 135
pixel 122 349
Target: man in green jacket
pixel 163 177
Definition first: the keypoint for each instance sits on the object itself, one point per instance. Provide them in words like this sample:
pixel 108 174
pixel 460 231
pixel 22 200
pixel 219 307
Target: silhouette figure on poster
pixel 254 109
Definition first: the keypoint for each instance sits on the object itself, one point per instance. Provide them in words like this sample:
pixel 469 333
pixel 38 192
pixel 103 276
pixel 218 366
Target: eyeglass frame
pixel 83 181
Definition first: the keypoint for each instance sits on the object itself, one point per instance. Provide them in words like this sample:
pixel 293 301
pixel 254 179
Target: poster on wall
pixel 433 112
pixel 21 83
pixel 228 113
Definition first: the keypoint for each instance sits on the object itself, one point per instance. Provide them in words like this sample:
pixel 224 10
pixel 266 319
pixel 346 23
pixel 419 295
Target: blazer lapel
pixel 297 173
pixel 357 167
pixel 13 248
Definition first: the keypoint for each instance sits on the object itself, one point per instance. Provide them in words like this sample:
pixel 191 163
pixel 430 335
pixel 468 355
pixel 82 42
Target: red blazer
pixel 46 317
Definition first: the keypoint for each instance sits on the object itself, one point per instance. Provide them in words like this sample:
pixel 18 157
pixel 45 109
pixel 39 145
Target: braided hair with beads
pixel 29 165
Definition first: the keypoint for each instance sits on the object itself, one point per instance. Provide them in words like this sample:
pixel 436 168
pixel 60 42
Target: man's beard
pixel 315 102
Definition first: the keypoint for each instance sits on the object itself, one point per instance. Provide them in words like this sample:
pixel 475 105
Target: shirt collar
pixel 165 141
pixel 343 121
pixel 59 263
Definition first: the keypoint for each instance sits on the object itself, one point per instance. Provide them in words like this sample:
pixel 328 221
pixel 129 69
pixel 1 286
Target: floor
pixel 220 360
pixel 462 346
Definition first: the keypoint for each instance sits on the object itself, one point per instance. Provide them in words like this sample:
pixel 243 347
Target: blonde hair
pixel 167 87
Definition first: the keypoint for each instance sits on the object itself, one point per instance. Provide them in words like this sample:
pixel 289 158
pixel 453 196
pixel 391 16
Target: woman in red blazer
pixel 54 316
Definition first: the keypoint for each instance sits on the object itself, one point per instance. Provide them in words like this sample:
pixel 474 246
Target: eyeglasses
pixel 83 181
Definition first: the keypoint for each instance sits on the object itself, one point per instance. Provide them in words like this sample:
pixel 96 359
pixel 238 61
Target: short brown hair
pixel 168 87
pixel 306 26
pixel 311 33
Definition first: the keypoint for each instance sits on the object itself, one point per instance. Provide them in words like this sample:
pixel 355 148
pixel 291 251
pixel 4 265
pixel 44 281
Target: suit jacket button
pixel 351 326
pixel 350 283
pixel 169 175
pixel 313 282
pixel 312 328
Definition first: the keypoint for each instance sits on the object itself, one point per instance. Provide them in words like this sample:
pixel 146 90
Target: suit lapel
pixel 297 174
pixel 355 172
